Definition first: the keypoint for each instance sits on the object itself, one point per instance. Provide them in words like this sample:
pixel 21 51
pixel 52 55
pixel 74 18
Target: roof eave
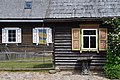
pixel 77 19
pixel 73 19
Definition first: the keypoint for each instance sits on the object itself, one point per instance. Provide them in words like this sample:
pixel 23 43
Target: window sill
pixel 89 50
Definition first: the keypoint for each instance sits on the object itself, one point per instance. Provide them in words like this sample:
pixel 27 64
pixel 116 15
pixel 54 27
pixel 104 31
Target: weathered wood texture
pixel 27 41
pixel 65 58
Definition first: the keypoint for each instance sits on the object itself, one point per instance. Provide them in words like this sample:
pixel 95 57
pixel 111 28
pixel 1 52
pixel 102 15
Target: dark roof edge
pixel 54 19
pixel 77 19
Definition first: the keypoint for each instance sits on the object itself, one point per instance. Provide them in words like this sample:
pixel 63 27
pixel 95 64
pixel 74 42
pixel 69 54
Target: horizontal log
pixel 102 61
pixel 62 38
pixel 68 44
pixel 67 32
pixel 61 46
pixel 57 49
pixel 63 41
pixel 75 60
pixel 97 64
pixel 62 35
pixel 77 57
pixel 67 54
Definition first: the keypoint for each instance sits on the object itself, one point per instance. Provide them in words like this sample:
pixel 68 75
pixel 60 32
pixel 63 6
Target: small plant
pixel 112 66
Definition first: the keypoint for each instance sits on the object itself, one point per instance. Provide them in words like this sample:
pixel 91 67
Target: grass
pixel 40 58
pixel 11 64
pixel 30 63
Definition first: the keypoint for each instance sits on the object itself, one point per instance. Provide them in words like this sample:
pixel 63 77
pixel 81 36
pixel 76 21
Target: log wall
pixel 65 58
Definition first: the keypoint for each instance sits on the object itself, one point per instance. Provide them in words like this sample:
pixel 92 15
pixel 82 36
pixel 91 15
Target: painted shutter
pixel 102 39
pixel 19 36
pixel 76 39
pixel 35 36
pixel 49 35
pixel 4 36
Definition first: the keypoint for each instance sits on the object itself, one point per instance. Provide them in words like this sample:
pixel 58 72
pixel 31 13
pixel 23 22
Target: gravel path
pixel 63 75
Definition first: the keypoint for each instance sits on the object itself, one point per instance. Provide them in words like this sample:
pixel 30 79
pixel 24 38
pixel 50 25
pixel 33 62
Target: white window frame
pixel 89 39
pixel 7 41
pixel 36 35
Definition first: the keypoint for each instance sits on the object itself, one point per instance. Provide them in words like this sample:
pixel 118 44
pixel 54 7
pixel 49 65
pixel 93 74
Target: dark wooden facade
pixel 65 58
pixel 63 55
pixel 27 40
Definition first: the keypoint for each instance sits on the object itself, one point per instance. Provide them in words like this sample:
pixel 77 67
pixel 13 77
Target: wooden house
pixel 76 27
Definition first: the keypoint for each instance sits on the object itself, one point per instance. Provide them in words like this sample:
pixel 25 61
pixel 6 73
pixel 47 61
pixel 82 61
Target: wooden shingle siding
pixel 65 58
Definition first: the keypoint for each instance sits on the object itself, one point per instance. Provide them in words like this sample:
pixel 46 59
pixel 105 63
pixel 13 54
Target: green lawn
pixel 40 58
pixel 11 64
pixel 45 62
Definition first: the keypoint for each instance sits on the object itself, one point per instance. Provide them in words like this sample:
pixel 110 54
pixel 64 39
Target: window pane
pixel 14 35
pixel 42 36
pixel 89 32
pixel 11 35
pixel 13 31
pixel 92 42
pixel 85 42
pixel 9 39
pixel 14 39
pixel 28 5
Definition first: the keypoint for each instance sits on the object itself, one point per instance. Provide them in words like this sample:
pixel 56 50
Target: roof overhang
pixel 75 19
pixel 21 20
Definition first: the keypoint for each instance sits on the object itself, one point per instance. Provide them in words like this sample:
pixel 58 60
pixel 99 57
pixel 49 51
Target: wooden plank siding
pixel 27 40
pixel 65 58
pixel 27 35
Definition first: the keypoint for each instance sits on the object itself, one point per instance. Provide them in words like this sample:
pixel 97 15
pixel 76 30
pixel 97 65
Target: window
pixel 42 35
pixel 89 38
pixel 11 35
pixel 28 5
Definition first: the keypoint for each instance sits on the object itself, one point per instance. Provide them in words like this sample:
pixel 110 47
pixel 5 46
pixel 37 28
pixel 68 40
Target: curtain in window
pixel 42 35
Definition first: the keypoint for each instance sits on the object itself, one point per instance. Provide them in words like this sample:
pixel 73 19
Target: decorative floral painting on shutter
pixel 76 39
pixel 103 39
